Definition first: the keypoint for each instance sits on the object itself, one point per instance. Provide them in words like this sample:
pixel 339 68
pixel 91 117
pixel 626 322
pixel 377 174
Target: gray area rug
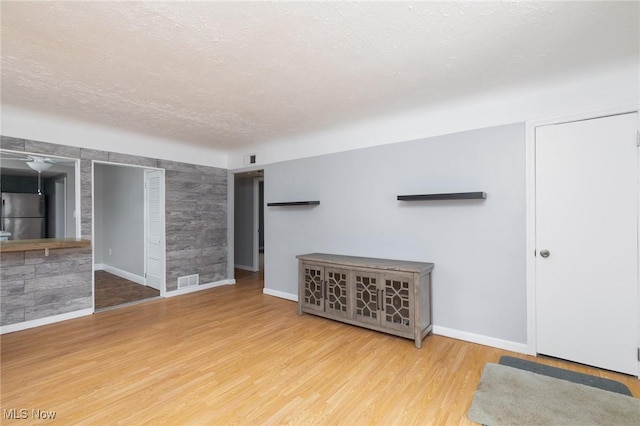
pixel 511 396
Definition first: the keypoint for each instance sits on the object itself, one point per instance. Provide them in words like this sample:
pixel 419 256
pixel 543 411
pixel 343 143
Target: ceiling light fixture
pixel 39 166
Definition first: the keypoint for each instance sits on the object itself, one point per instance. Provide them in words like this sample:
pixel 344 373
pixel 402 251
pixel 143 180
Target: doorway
pixel 249 225
pixel 586 237
pixel 129 234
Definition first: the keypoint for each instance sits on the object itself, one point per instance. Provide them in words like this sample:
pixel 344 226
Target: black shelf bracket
pixel 294 203
pixel 449 196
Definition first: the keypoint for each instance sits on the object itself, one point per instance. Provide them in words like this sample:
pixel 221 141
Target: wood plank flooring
pixel 232 355
pixel 111 290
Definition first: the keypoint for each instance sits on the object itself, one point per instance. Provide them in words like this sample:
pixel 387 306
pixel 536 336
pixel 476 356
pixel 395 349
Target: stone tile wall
pixel 33 286
pixel 196 222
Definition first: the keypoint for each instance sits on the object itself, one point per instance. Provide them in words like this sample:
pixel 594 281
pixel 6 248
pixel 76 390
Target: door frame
pixel 163 286
pixel 530 219
pixel 256 223
pixel 231 206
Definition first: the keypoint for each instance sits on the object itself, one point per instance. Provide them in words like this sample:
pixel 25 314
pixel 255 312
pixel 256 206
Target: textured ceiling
pixel 224 74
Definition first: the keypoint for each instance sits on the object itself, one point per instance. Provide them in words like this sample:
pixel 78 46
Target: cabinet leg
pixel 418 341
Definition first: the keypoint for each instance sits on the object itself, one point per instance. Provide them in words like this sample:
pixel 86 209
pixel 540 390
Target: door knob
pixel 544 253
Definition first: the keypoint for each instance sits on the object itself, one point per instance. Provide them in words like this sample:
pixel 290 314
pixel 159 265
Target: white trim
pixel 195 288
pixel 245 268
pixel 280 294
pixel 77 214
pixel 230 223
pixel 480 339
pixel 138 166
pixel 92 190
pixel 638 230
pixel 120 273
pixel 530 240
pixel 44 321
pixel 256 223
pixel 145 214
pixel 530 235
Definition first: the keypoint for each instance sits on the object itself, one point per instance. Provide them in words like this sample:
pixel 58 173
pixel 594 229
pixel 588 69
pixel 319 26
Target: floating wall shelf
pixel 450 196
pixel 294 203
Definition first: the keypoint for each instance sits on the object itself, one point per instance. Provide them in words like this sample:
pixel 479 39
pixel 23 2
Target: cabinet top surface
pixel 368 262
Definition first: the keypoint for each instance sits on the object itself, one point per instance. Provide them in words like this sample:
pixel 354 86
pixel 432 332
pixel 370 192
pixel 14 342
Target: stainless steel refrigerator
pixel 23 215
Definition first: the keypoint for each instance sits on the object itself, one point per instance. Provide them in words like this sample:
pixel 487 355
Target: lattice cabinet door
pixel 397 301
pixel 312 286
pixel 367 296
pixel 337 298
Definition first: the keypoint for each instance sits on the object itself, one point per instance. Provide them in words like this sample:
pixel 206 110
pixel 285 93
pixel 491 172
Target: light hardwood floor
pixel 232 355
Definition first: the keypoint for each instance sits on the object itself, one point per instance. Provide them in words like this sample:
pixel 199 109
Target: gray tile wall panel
pixel 13 144
pixel 16 273
pixel 196 221
pixel 94 154
pixel 57 295
pixel 12 259
pixel 63 267
pixel 63 276
pixel 86 189
pixel 58 281
pixel 132 160
pixel 18 301
pixel 51 309
pixel 11 316
pixel 37 147
pixel 12 288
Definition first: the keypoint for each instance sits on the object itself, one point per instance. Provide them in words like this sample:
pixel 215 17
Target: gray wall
pixel 122 216
pixel 477 246
pixel 34 287
pixel 243 221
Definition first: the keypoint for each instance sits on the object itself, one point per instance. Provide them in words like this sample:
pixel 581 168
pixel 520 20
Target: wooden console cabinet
pixel 391 296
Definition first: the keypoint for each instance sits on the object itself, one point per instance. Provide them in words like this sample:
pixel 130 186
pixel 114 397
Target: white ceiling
pixel 228 74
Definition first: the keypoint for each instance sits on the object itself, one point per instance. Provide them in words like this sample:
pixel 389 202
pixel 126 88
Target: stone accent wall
pixel 34 286
pixel 196 222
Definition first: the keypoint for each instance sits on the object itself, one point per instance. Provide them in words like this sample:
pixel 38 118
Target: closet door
pixel 587 242
pixel 154 229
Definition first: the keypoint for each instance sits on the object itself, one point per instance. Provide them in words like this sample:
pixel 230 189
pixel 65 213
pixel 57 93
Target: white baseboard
pixel 120 273
pixel 187 290
pixel 280 294
pixel 44 321
pixel 246 268
pixel 481 340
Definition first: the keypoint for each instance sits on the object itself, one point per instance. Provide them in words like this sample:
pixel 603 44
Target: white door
pixel 154 229
pixel 587 220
